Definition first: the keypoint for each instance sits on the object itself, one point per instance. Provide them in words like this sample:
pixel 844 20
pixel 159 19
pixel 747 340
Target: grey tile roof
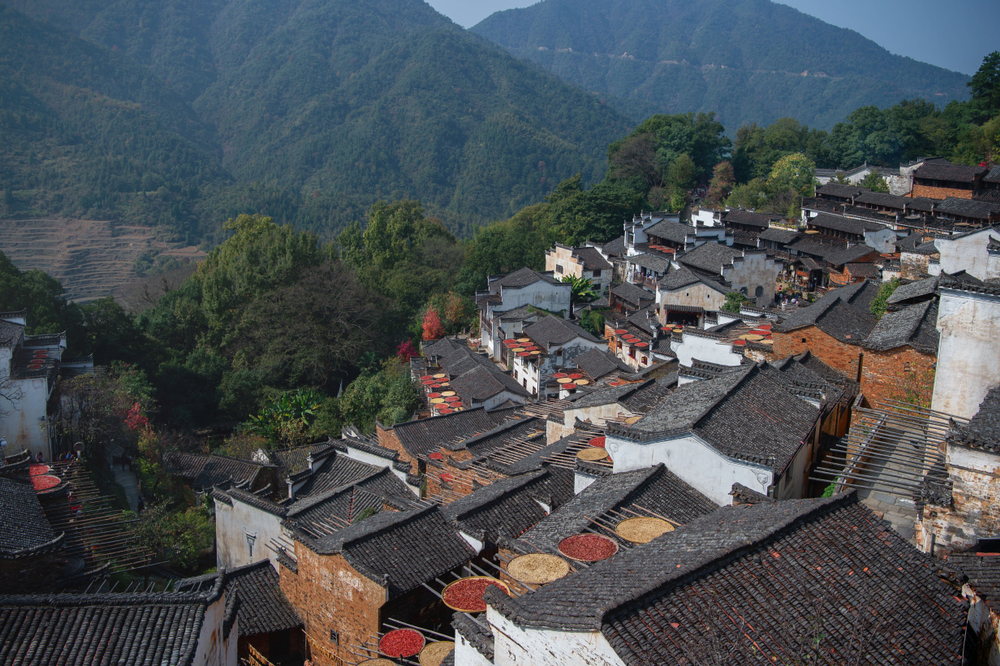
pixel 761 419
pixel 554 331
pixel 400 550
pixel 674 232
pixel 422 436
pixel 654 488
pixel 883 199
pixel 651 260
pixel 747 218
pixel 844 224
pixel 784 569
pixel 754 414
pixel 970 208
pixel 24 529
pixel 10 333
pixel 615 247
pixel 911 325
pixel 599 362
pixel 295 460
pixel 983 429
pixel 778 235
pixel 592 259
pixel 633 294
pixel 677 278
pixel 502 510
pixel 139 629
pixel 498 438
pixel 261 606
pixel 480 384
pixel 333 470
pixel 842 313
pixel 958 173
pixel 780 567
pixel 983 571
pixel 914 290
pixel 839 191
pixel 204 471
pixel 710 258
pixel 522 277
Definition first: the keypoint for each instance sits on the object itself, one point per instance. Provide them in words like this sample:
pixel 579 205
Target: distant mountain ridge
pixel 307 110
pixel 747 60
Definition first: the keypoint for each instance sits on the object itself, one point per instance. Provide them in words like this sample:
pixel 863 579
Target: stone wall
pixel 974 513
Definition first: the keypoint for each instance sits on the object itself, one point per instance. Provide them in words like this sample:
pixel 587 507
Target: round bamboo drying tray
pixel 495 581
pixel 592 454
pixel 538 568
pixel 434 653
pixel 642 529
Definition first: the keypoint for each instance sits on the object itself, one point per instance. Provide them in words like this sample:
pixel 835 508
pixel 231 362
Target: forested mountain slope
pixel 747 60
pixel 307 110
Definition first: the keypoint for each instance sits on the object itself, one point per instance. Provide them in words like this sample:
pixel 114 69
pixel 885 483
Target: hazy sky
pixel 955 35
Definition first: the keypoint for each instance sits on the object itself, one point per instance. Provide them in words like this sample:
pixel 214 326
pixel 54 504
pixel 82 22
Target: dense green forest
pixel 179 114
pixel 277 321
pixel 746 60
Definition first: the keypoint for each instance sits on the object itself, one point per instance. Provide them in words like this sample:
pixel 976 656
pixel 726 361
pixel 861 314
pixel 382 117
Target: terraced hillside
pixel 91 258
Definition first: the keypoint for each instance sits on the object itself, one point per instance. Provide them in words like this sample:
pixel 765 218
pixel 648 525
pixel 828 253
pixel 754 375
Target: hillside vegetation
pixel 746 60
pixel 181 113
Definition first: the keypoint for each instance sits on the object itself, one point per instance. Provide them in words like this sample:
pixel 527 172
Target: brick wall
pixel 898 374
pixel 388 438
pixel 329 594
pixel 836 354
pixel 932 192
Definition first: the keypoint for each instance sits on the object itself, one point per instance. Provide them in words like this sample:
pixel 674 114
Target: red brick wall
pixel 390 440
pixel 939 192
pixel 899 374
pixel 329 593
pixel 836 354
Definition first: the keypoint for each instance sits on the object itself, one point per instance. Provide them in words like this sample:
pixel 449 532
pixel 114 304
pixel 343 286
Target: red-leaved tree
pixel 433 329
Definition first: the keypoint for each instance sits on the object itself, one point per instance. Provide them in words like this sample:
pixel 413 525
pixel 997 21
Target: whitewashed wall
pixel 522 646
pixel 968 364
pixel 710 350
pixel 232 523
pixel 23 421
pixel 693 460
pixel 969 254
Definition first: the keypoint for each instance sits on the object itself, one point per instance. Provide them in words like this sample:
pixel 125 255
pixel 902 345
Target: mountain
pixel 307 110
pixel 747 60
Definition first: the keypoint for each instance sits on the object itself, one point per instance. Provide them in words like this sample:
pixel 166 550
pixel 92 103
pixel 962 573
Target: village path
pixel 125 478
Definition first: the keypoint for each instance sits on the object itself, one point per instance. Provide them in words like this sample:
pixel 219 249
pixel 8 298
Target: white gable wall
pixel 693 460
pixel 968 364
pixel 969 253
pixel 523 646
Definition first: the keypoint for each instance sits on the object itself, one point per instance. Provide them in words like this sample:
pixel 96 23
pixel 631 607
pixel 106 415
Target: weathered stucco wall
pixel 968 363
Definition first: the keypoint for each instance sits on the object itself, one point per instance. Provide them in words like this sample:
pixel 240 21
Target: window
pixel 758 292
pixel 559 269
pixel 251 538
pixel 597 272
pixel 334 636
